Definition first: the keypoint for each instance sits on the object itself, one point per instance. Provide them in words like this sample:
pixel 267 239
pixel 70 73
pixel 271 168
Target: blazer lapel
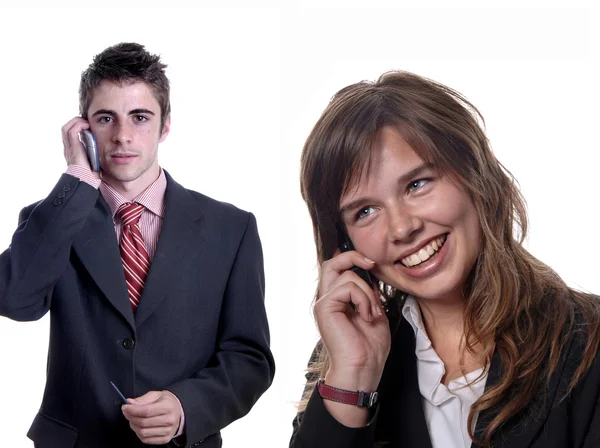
pixel 180 242
pixel 401 417
pixel 521 430
pixel 97 248
pixel 485 417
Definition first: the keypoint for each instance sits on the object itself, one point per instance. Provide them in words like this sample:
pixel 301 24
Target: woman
pixel 479 342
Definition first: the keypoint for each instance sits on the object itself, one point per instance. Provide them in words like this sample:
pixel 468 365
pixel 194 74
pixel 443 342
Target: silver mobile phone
pixel 89 143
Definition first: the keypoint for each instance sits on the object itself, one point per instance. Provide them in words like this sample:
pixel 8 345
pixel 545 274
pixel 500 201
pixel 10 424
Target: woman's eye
pixel 364 212
pixel 417 184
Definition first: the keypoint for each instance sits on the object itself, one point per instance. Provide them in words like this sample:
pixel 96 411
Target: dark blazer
pixel 399 419
pixel 200 330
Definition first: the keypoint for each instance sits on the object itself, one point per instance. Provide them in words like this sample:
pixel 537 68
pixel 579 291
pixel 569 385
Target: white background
pixel 248 85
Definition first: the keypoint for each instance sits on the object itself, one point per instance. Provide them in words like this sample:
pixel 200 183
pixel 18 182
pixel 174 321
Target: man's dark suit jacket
pixel 399 419
pixel 200 330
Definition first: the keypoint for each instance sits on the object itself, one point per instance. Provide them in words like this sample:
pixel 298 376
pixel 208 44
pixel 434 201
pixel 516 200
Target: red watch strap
pixel 356 398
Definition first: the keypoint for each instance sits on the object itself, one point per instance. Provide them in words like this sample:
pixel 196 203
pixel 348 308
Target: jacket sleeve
pixel 316 428
pixel 40 248
pixel 592 438
pixel 242 367
pixel 585 405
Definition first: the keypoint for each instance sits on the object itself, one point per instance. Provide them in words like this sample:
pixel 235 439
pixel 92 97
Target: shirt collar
pixel 430 367
pixel 153 197
pixel 412 313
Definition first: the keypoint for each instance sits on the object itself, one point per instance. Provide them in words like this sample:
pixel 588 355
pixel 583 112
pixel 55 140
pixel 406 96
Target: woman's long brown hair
pixel 516 305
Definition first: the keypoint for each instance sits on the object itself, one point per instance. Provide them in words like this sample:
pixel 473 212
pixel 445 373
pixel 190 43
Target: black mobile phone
pixel 345 244
pixel 91 149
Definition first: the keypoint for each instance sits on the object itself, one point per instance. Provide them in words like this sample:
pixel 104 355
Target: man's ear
pixel 165 130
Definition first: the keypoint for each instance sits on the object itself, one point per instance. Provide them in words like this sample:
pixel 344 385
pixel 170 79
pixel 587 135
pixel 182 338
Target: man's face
pixel 125 118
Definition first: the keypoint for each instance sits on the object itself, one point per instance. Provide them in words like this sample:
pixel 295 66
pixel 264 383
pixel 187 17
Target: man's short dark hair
pixel 126 62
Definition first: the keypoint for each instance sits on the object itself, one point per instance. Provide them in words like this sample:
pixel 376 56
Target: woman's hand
pixel 352 324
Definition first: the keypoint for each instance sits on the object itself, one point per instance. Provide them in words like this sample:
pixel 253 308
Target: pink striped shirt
pixel 153 199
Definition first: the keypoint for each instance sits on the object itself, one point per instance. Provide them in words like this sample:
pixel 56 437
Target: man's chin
pixel 120 175
pixel 130 174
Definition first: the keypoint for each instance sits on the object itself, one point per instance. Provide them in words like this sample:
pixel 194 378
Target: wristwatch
pixel 356 398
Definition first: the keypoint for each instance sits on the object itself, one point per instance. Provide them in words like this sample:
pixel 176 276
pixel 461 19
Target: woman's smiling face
pixel 420 228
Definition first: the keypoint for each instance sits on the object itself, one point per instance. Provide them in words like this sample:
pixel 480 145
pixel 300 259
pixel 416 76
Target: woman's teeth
pixel 425 253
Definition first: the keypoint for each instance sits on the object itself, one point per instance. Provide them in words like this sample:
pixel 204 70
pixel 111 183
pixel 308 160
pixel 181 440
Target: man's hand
pixel 154 416
pixel 73 148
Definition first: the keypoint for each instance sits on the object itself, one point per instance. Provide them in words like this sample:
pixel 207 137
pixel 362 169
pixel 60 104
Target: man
pixel 150 286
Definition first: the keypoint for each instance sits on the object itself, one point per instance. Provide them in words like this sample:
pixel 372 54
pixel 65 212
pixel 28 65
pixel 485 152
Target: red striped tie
pixel 134 255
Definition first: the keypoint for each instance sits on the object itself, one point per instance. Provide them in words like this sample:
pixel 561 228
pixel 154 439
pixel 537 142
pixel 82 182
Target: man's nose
pixel 123 133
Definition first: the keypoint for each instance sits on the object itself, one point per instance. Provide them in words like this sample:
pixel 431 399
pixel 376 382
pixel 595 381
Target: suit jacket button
pixel 66 188
pixel 128 343
pixel 61 194
pixel 57 201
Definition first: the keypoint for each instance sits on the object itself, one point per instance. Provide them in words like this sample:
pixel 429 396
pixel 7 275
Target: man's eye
pixel 105 119
pixel 140 118
pixel 417 184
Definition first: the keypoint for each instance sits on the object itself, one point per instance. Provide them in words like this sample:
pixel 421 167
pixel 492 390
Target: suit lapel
pixel 402 418
pixel 181 240
pixel 493 377
pixel 97 248
pixel 521 430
